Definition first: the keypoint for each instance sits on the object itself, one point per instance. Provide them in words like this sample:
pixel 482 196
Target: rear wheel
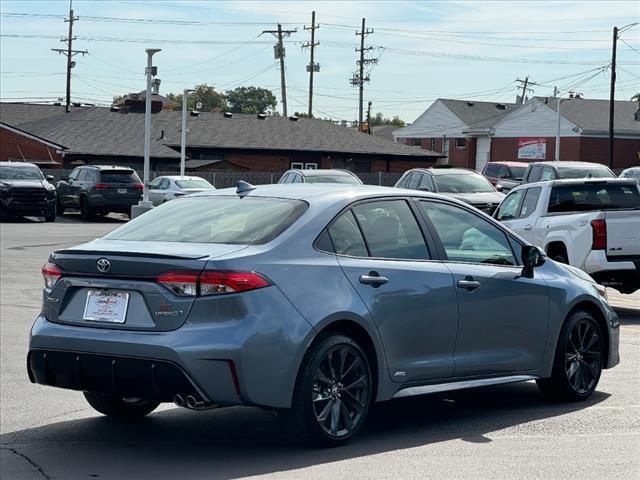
pixel 120 407
pixel 332 395
pixel 578 361
pixel 86 212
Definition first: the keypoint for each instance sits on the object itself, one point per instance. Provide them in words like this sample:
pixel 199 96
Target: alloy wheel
pixel 583 356
pixel 341 390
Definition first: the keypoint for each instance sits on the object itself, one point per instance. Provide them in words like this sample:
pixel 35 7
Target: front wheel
pixel 578 360
pixel 333 393
pixel 51 215
pixel 86 212
pixel 120 407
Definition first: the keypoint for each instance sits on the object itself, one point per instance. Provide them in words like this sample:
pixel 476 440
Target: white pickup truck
pixel 592 224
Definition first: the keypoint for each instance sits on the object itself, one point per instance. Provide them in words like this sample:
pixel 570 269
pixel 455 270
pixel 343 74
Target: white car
pixel 165 188
pixel 592 224
pixel 633 172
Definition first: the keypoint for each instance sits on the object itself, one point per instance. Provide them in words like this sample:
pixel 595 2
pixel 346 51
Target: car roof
pixel 631 169
pixel 312 172
pixel 18 164
pixel 510 164
pixel 577 181
pixel 565 163
pixel 180 177
pixel 443 171
pixel 107 167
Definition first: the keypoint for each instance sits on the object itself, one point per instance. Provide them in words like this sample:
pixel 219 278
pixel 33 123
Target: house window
pixel 416 142
pixel 311 166
pixel 433 144
pixel 298 165
pixel 461 142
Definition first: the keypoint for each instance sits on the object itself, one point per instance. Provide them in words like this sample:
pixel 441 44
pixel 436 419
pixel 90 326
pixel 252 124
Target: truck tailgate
pixel 623 233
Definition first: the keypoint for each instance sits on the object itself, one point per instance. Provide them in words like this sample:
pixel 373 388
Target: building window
pixel 433 144
pixel 311 166
pixel 416 142
pixel 461 142
pixel 298 165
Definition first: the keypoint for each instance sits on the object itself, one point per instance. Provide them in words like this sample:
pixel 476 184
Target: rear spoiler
pixel 193 256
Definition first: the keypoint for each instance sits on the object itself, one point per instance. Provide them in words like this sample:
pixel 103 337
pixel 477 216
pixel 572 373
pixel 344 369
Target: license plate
pixel 106 306
pixel 122 190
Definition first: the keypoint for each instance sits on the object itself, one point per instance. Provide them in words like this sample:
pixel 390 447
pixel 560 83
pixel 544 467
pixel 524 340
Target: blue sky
pixel 426 49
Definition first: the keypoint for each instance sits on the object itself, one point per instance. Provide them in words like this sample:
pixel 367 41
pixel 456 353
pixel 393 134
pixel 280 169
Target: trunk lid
pixel 623 233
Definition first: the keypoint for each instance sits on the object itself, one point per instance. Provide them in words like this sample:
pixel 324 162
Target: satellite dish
pixel 199 105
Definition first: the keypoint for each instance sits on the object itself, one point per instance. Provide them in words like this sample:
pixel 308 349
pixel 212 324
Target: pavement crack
pixel 31 462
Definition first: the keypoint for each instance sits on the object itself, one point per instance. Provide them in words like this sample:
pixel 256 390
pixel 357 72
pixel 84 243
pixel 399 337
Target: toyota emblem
pixel 103 265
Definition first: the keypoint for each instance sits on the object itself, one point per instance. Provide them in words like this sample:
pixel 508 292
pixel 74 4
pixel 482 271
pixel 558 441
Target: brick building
pixel 215 141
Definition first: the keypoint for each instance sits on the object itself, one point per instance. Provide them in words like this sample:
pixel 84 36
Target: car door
pixel 64 187
pixel 76 186
pixel 525 222
pixel 409 295
pixel 503 316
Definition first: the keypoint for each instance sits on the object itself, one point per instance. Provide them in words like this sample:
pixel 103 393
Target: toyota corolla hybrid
pixel 315 301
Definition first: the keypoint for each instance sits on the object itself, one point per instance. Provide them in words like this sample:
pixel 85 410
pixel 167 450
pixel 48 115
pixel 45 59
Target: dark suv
pixel 99 189
pixel 25 192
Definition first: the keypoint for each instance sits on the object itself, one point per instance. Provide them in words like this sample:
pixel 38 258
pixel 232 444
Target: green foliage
pixel 303 115
pixel 211 100
pixel 250 100
pixel 379 119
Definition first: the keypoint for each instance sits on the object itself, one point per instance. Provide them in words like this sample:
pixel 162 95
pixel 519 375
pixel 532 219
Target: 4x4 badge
pixel 103 265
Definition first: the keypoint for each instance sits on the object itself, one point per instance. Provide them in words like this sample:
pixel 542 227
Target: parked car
pixel 26 192
pixel 320 176
pixel 165 188
pixel 504 175
pixel 544 171
pixel 591 224
pixel 98 190
pixel 633 172
pixel 461 183
pixel 316 302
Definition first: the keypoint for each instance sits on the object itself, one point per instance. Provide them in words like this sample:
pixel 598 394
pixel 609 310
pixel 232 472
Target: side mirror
pixel 424 189
pixel 64 179
pixel 50 178
pixel 500 188
pixel 532 257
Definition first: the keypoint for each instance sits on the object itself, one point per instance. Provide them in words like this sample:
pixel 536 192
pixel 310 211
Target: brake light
pixel 191 284
pixel 599 228
pixel 51 273
pixel 102 186
pixel 138 186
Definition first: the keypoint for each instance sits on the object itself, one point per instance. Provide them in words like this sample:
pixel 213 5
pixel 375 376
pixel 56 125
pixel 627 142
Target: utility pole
pixel 359 78
pixel 69 52
pixel 278 53
pixel 312 67
pixel 525 88
pixel 369 117
pixel 612 95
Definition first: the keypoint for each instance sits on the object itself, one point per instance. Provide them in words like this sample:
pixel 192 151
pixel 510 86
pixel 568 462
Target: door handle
pixel 374 279
pixel 528 227
pixel 468 284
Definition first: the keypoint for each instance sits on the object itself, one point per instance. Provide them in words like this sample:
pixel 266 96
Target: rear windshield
pixel 584 198
pixel 119 176
pixel 21 172
pixel 585 172
pixel 214 219
pixel 193 183
pixel 463 183
pixel 348 179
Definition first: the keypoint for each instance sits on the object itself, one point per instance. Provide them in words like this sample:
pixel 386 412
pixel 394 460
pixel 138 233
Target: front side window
pixel 509 207
pixel 415 180
pixel 425 183
pixel 468 238
pixel 74 174
pixel 391 230
pixel 534 174
pixel 530 202
pixel 213 219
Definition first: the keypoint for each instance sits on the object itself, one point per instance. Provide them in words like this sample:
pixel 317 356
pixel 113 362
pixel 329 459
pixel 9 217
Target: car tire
pixel 86 212
pixel 59 207
pixel 333 393
pixel 578 360
pixel 117 407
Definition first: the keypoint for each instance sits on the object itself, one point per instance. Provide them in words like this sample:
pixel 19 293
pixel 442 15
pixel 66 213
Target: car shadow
pixel 74 217
pixel 242 442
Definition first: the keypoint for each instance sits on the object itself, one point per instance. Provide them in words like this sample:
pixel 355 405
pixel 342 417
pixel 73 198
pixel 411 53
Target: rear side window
pixel 530 202
pixel 391 230
pixel 119 176
pixel 346 237
pixel 593 196
pixel 214 219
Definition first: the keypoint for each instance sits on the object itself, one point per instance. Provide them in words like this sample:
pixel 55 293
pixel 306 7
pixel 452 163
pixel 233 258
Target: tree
pixel 396 121
pixel 211 100
pixel 250 100
pixel 379 119
pixel 303 115
pixel 117 100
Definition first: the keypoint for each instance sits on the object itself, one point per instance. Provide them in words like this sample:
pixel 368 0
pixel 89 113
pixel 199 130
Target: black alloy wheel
pixel 86 212
pixel 583 356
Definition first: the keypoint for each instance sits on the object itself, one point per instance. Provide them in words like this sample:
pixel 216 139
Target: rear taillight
pixel 138 186
pixel 102 186
pixel 599 228
pixel 190 284
pixel 51 273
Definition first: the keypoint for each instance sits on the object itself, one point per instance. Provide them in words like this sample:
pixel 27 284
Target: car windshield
pixel 213 219
pixel 348 179
pixel 585 172
pixel 20 172
pixel 595 196
pixel 462 183
pixel 194 183
pixel 119 176
pixel 517 172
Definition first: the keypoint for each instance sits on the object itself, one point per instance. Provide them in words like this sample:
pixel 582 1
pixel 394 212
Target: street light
pixel 183 137
pixel 558 102
pixel 151 71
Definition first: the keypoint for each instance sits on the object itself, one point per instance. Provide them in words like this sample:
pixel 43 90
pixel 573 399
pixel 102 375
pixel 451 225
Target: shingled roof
pixel 100 131
pixel 479 115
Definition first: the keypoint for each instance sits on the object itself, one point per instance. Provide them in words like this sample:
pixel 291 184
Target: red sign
pixel 532 148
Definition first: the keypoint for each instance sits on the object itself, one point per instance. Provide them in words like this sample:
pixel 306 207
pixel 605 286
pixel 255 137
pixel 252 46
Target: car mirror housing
pixel 532 257
pixel 424 189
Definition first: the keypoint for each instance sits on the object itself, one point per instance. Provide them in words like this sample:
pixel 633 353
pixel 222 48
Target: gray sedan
pixel 165 188
pixel 314 301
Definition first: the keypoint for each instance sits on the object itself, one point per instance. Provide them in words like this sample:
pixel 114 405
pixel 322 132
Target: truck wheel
pixel 86 212
pixel 119 407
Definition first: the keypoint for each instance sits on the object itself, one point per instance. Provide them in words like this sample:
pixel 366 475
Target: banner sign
pixel 532 148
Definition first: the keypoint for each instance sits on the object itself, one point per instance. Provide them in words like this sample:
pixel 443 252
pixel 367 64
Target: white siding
pixel 534 119
pixel 483 147
pixel 436 122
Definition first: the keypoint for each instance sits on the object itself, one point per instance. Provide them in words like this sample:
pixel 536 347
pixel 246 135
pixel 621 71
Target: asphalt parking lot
pixel 504 432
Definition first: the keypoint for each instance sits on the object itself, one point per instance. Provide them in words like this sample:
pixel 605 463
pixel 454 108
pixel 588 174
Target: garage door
pixel 483 147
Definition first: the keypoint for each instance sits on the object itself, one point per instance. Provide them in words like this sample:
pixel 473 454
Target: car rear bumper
pixel 99 200
pixel 623 274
